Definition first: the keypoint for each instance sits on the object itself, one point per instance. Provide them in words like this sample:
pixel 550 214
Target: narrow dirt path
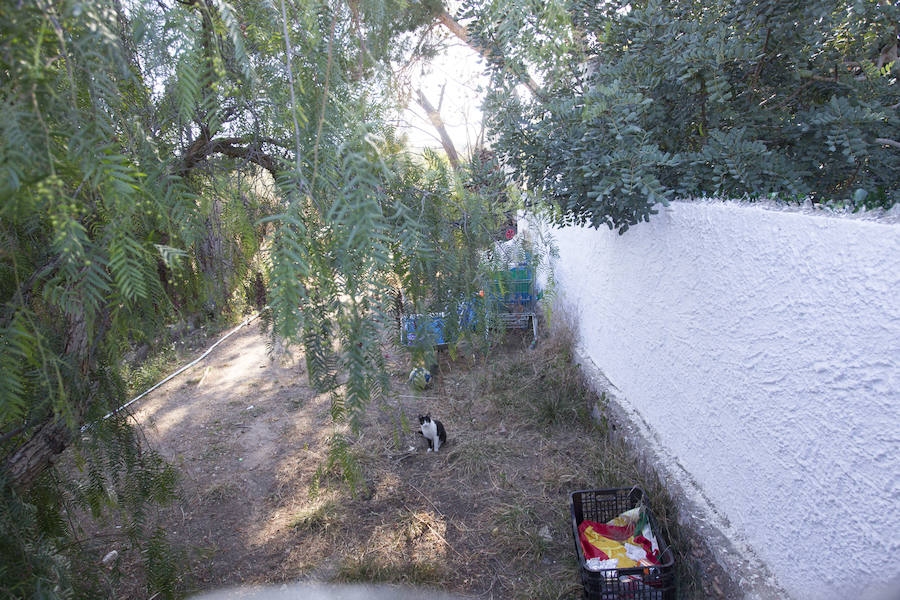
pixel 228 424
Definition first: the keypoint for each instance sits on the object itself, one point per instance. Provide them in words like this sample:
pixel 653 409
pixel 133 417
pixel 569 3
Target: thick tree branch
pixel 234 147
pixel 36 454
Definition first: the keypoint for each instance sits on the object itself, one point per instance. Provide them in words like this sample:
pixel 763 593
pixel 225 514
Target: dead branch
pixel 435 117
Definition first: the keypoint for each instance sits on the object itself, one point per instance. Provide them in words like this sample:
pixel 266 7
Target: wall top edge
pixel 890 216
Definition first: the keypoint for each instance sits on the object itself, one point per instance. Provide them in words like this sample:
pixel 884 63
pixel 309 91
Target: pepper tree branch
pixel 234 147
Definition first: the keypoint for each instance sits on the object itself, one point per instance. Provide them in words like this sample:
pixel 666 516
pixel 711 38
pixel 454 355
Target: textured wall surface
pixel 762 347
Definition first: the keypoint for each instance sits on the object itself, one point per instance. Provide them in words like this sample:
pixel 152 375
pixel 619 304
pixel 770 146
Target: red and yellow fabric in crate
pixel 625 542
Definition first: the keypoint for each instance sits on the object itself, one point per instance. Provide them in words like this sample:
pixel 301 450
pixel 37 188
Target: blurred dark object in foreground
pixel 300 591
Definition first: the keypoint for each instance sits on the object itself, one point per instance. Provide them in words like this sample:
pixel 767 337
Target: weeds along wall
pixel 761 346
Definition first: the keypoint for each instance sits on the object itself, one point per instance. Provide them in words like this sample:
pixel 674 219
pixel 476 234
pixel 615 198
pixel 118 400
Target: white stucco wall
pixel 762 347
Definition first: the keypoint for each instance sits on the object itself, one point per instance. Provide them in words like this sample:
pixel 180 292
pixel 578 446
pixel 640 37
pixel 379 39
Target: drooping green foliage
pixel 441 256
pixel 642 102
pixel 153 157
pixel 48 553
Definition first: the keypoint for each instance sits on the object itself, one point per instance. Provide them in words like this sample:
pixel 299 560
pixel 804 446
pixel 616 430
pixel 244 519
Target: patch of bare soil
pixel 487 516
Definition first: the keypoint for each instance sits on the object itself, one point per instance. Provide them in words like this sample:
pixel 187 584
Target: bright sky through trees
pixel 457 72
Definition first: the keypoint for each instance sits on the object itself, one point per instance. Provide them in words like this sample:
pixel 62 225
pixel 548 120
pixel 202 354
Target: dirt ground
pixel 486 517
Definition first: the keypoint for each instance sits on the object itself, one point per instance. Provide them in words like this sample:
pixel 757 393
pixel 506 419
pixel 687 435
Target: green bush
pixel 643 102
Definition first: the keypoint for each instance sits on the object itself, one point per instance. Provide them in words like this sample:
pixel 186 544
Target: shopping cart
pixel 510 298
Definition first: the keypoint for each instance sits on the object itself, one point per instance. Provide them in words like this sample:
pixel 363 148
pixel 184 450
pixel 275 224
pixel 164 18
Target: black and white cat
pixel 434 432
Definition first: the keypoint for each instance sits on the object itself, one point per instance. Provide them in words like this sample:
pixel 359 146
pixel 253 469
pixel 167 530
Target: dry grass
pixel 487 516
pixel 472 456
pixel 355 570
pixel 520 439
pixel 405 550
pixel 318 517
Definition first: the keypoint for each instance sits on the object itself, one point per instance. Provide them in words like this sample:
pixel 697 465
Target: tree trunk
pixel 435 117
pixel 38 453
pixel 259 291
pixel 52 436
pixel 214 256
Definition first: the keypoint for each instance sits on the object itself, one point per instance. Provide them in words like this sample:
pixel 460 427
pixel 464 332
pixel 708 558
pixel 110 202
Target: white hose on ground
pixel 176 373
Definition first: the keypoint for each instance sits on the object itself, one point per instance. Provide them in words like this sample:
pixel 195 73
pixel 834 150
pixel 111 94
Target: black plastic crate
pixel 639 583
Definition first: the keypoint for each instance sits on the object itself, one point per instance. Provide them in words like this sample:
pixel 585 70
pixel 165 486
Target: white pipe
pixel 176 373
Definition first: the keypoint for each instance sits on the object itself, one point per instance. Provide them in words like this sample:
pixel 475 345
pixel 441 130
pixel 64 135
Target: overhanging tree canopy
pixel 133 140
pixel 126 129
pixel 645 101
